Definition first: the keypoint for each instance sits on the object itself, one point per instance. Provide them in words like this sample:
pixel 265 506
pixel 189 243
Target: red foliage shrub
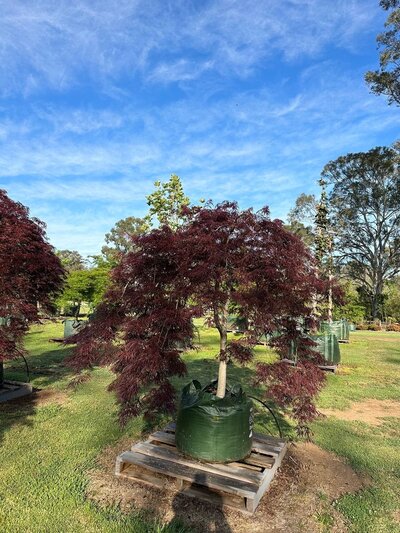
pixel 220 257
pixel 293 387
pixel 30 274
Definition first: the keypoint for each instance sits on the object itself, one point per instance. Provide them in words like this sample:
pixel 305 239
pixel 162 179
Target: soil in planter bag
pixel 214 429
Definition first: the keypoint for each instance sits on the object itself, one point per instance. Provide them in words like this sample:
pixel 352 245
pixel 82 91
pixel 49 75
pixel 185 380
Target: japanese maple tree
pixel 220 258
pixel 31 275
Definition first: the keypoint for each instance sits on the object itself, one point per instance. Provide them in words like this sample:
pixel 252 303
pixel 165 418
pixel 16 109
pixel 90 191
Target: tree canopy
pixel 119 239
pixel 365 215
pixel 167 201
pixel 86 285
pixel 386 80
pixel 71 260
pixel 301 218
pixel 31 274
pixel 219 257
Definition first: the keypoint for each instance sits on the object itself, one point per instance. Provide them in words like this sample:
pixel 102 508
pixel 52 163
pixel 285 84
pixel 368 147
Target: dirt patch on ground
pixel 37 399
pixel 370 411
pixel 301 498
pixel 47 396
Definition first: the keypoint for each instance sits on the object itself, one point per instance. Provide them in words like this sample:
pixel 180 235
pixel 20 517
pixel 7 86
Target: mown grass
pixel 46 451
pixel 372 366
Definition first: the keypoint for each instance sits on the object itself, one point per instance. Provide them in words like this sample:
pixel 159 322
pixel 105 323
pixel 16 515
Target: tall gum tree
pixel 386 80
pixel 365 214
pixel 218 258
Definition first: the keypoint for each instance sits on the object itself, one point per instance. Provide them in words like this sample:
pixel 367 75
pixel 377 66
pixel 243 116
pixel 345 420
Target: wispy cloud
pixel 65 43
pixel 244 100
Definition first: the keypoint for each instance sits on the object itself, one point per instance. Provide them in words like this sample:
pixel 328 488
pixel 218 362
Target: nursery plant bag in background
pixel 328 347
pixel 339 327
pixel 214 429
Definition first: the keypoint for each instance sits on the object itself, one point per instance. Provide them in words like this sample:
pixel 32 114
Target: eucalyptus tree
pixel 365 217
pixel 386 80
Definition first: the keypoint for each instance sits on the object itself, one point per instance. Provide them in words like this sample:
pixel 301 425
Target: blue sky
pixel 244 100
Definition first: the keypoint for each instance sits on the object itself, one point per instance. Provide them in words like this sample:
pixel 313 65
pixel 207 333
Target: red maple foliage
pixel 220 258
pixel 30 274
pixel 294 387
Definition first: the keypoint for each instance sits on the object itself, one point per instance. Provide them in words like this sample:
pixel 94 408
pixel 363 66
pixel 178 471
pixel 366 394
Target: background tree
pixel 392 300
pixel 119 239
pixel 324 245
pixel 167 201
pixel 219 256
pixel 386 80
pixel 71 260
pixel 353 309
pixel 30 275
pixel 84 286
pixel 365 214
pixel 301 218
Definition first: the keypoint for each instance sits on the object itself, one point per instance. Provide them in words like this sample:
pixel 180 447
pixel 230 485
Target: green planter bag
pixel 328 347
pixel 214 429
pixel 339 327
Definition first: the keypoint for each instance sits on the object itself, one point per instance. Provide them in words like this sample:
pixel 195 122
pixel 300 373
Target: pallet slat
pixel 260 460
pixel 172 454
pixel 162 436
pixel 191 474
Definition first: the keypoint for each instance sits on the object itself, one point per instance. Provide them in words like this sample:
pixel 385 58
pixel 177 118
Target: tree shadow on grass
pixel 16 412
pixel 213 521
pixel 393 360
pixel 46 368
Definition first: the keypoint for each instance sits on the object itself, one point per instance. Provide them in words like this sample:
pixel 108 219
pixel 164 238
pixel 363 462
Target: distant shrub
pixel 393 327
pixel 374 327
pixel 371 326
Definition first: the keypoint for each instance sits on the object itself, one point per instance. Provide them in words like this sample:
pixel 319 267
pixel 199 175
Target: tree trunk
pixel 1 374
pixel 376 299
pixel 78 310
pixel 221 322
pixel 222 366
pixel 330 302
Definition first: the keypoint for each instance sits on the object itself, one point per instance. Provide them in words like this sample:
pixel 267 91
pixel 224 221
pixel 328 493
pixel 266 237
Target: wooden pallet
pixel 240 485
pixel 327 368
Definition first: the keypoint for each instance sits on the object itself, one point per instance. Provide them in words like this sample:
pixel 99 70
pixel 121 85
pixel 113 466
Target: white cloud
pixel 56 157
pixel 180 70
pixel 74 153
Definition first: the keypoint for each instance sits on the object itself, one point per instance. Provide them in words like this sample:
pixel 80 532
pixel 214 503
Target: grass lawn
pixel 46 450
